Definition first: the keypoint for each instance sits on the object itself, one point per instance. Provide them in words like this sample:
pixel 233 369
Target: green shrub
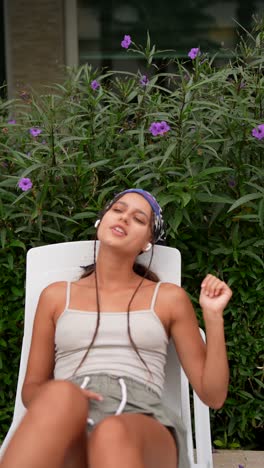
pixel 206 169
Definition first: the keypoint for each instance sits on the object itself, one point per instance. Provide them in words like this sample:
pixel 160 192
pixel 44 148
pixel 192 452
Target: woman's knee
pixel 61 399
pixel 109 432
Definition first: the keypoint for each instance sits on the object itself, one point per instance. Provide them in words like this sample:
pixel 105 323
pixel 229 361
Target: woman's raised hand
pixel 214 297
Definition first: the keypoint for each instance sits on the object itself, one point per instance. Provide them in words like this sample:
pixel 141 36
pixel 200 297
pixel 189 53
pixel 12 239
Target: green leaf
pixel 100 163
pixel 248 253
pixel 261 384
pixel 176 220
pixel 21 196
pixel 57 215
pixel 32 168
pixel 261 214
pixel 258 187
pixel 207 198
pixel 3 237
pixel 10 260
pixel 17 292
pixel 186 197
pixel 165 199
pixel 168 152
pixel 146 177
pixel 132 95
pixel 245 199
pixel 245 394
pixel 3 343
pixel 213 170
pixel 17 243
pixel 54 231
pixel 218 443
pixel 84 215
pixel 105 193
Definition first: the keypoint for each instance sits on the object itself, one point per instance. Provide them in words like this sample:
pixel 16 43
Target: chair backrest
pixel 58 262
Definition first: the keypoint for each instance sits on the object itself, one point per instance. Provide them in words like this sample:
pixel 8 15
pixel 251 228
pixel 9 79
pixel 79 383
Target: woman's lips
pixel 118 233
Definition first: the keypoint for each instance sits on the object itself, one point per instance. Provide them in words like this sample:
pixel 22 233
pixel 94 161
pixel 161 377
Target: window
pixel 207 24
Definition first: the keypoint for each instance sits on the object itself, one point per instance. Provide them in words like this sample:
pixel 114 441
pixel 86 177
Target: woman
pixel 98 406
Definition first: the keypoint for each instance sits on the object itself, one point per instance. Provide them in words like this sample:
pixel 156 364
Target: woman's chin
pixel 118 246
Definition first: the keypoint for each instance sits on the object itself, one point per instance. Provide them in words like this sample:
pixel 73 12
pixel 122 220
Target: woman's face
pixel 127 224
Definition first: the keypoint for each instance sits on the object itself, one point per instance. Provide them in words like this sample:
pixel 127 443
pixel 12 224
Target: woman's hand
pixel 92 395
pixel 214 296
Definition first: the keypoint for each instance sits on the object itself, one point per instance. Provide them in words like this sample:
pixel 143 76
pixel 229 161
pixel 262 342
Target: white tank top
pixel 112 352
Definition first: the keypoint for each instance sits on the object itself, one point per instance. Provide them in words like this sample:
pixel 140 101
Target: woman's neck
pixel 115 270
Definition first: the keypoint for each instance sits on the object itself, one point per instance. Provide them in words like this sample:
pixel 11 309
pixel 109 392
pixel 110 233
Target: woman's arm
pixel 205 365
pixel 41 356
pixel 214 297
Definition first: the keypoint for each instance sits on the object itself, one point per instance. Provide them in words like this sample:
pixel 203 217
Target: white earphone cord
pixel 122 405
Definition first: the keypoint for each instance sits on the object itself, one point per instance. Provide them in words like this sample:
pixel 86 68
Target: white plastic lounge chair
pixel 57 262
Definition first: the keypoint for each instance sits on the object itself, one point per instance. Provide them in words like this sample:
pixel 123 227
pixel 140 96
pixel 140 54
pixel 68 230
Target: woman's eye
pixel 117 209
pixel 139 221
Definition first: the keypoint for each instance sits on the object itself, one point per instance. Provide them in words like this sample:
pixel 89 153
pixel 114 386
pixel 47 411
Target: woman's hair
pixel 138 268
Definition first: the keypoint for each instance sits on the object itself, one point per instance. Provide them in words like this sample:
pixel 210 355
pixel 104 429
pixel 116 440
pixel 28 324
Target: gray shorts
pixel 126 395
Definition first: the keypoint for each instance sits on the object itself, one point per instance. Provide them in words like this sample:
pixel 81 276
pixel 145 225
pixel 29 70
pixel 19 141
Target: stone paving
pixel 234 458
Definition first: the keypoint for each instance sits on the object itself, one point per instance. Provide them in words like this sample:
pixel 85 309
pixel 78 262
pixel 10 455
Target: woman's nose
pixel 124 217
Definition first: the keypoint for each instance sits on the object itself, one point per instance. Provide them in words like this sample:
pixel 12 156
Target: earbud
pixel 148 247
pixel 97 222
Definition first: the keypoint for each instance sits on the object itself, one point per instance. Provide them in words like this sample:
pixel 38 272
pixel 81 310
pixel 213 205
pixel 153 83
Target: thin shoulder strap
pixel 155 295
pixel 68 292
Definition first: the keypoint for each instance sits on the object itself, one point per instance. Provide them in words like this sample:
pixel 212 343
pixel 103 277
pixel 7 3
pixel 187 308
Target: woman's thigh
pixel 76 456
pixel 147 436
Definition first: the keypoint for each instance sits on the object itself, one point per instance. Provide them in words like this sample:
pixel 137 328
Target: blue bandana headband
pixel 159 231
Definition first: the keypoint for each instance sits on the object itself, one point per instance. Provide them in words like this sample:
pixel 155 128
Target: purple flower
pixel 240 466
pixel 25 184
pixel 126 42
pixel 164 127
pixel 144 80
pixel 34 131
pixel 232 182
pixel 95 84
pixel 11 122
pixel 193 53
pixel 154 128
pixel 159 128
pixel 258 132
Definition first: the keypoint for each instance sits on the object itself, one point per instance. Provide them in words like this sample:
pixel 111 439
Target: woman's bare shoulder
pixel 55 287
pixel 54 291
pixel 172 290
pixel 173 297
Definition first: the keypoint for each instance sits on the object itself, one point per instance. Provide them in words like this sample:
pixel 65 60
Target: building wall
pixel 35 43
